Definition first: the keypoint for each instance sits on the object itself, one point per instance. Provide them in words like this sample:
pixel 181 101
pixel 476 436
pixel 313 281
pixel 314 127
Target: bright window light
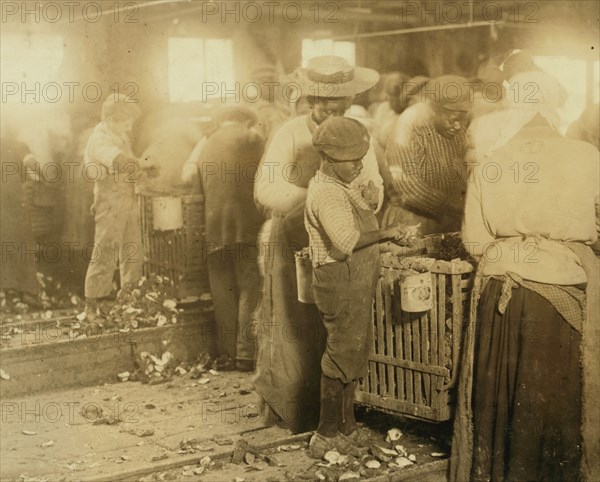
pixel 571 73
pixel 30 59
pixel 194 62
pixel 314 48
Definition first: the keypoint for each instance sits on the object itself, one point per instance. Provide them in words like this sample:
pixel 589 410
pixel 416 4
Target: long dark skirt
pixel 526 391
pixel 291 340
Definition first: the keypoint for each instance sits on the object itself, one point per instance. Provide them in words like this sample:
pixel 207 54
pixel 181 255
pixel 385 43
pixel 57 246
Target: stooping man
pixel 344 233
pixel 425 157
pixel 110 163
pixel 226 160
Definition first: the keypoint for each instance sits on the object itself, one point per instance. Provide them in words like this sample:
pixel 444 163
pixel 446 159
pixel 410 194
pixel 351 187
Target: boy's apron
pixel 344 295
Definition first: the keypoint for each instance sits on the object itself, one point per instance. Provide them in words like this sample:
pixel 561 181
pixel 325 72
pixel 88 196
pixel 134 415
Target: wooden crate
pixel 414 357
pixel 177 254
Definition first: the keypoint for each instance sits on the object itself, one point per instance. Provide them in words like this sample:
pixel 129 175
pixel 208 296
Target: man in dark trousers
pixel 227 160
pixel 18 273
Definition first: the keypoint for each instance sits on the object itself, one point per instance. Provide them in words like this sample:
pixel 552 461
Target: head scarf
pixel 529 94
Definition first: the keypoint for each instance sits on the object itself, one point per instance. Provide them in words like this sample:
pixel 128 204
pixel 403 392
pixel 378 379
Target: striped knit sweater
pixel 427 170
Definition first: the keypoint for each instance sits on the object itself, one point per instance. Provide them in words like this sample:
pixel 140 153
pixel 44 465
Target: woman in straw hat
pixel 290 334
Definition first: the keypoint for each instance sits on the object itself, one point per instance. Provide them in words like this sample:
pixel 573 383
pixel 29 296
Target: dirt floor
pixel 170 420
pixel 207 429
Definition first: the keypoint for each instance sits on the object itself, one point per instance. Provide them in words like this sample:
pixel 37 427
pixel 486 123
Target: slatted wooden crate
pixel 414 357
pixel 177 254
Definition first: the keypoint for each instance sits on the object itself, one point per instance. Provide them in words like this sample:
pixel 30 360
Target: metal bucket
pixel 416 292
pixel 167 213
pixel 304 278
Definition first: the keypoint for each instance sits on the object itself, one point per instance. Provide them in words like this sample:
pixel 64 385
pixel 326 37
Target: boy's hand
pixel 370 194
pixel 394 231
pixel 402 233
pixel 413 230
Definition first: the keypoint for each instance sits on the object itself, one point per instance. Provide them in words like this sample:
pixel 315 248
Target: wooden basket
pixel 177 254
pixel 413 363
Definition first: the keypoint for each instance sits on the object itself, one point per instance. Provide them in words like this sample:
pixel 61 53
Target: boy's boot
pixel 349 427
pixel 328 436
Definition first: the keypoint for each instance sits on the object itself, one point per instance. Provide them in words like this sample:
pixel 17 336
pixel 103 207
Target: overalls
pixel 117 237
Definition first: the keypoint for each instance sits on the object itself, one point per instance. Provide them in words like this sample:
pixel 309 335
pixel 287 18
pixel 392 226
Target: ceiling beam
pixel 403 31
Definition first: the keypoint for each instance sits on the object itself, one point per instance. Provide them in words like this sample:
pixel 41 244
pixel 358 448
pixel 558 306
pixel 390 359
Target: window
pixel 200 69
pixel 571 73
pixel 30 59
pixel 313 48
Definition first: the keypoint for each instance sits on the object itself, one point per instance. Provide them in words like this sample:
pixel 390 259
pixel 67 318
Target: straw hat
pixel 332 76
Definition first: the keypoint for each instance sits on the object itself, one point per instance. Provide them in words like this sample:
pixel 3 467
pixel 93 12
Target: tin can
pixel 304 278
pixel 167 213
pixel 416 292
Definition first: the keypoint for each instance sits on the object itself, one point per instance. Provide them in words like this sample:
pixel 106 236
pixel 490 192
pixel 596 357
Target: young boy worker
pixel 118 235
pixel 343 233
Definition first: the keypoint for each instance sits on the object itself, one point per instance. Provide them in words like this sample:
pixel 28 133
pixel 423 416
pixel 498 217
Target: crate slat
pixel 407 332
pixel 398 335
pixel 412 365
pixel 418 381
pixel 434 334
pixel 457 316
pixel 424 318
pixel 441 321
pixel 395 406
pixel 389 341
pixel 373 386
pixel 380 348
